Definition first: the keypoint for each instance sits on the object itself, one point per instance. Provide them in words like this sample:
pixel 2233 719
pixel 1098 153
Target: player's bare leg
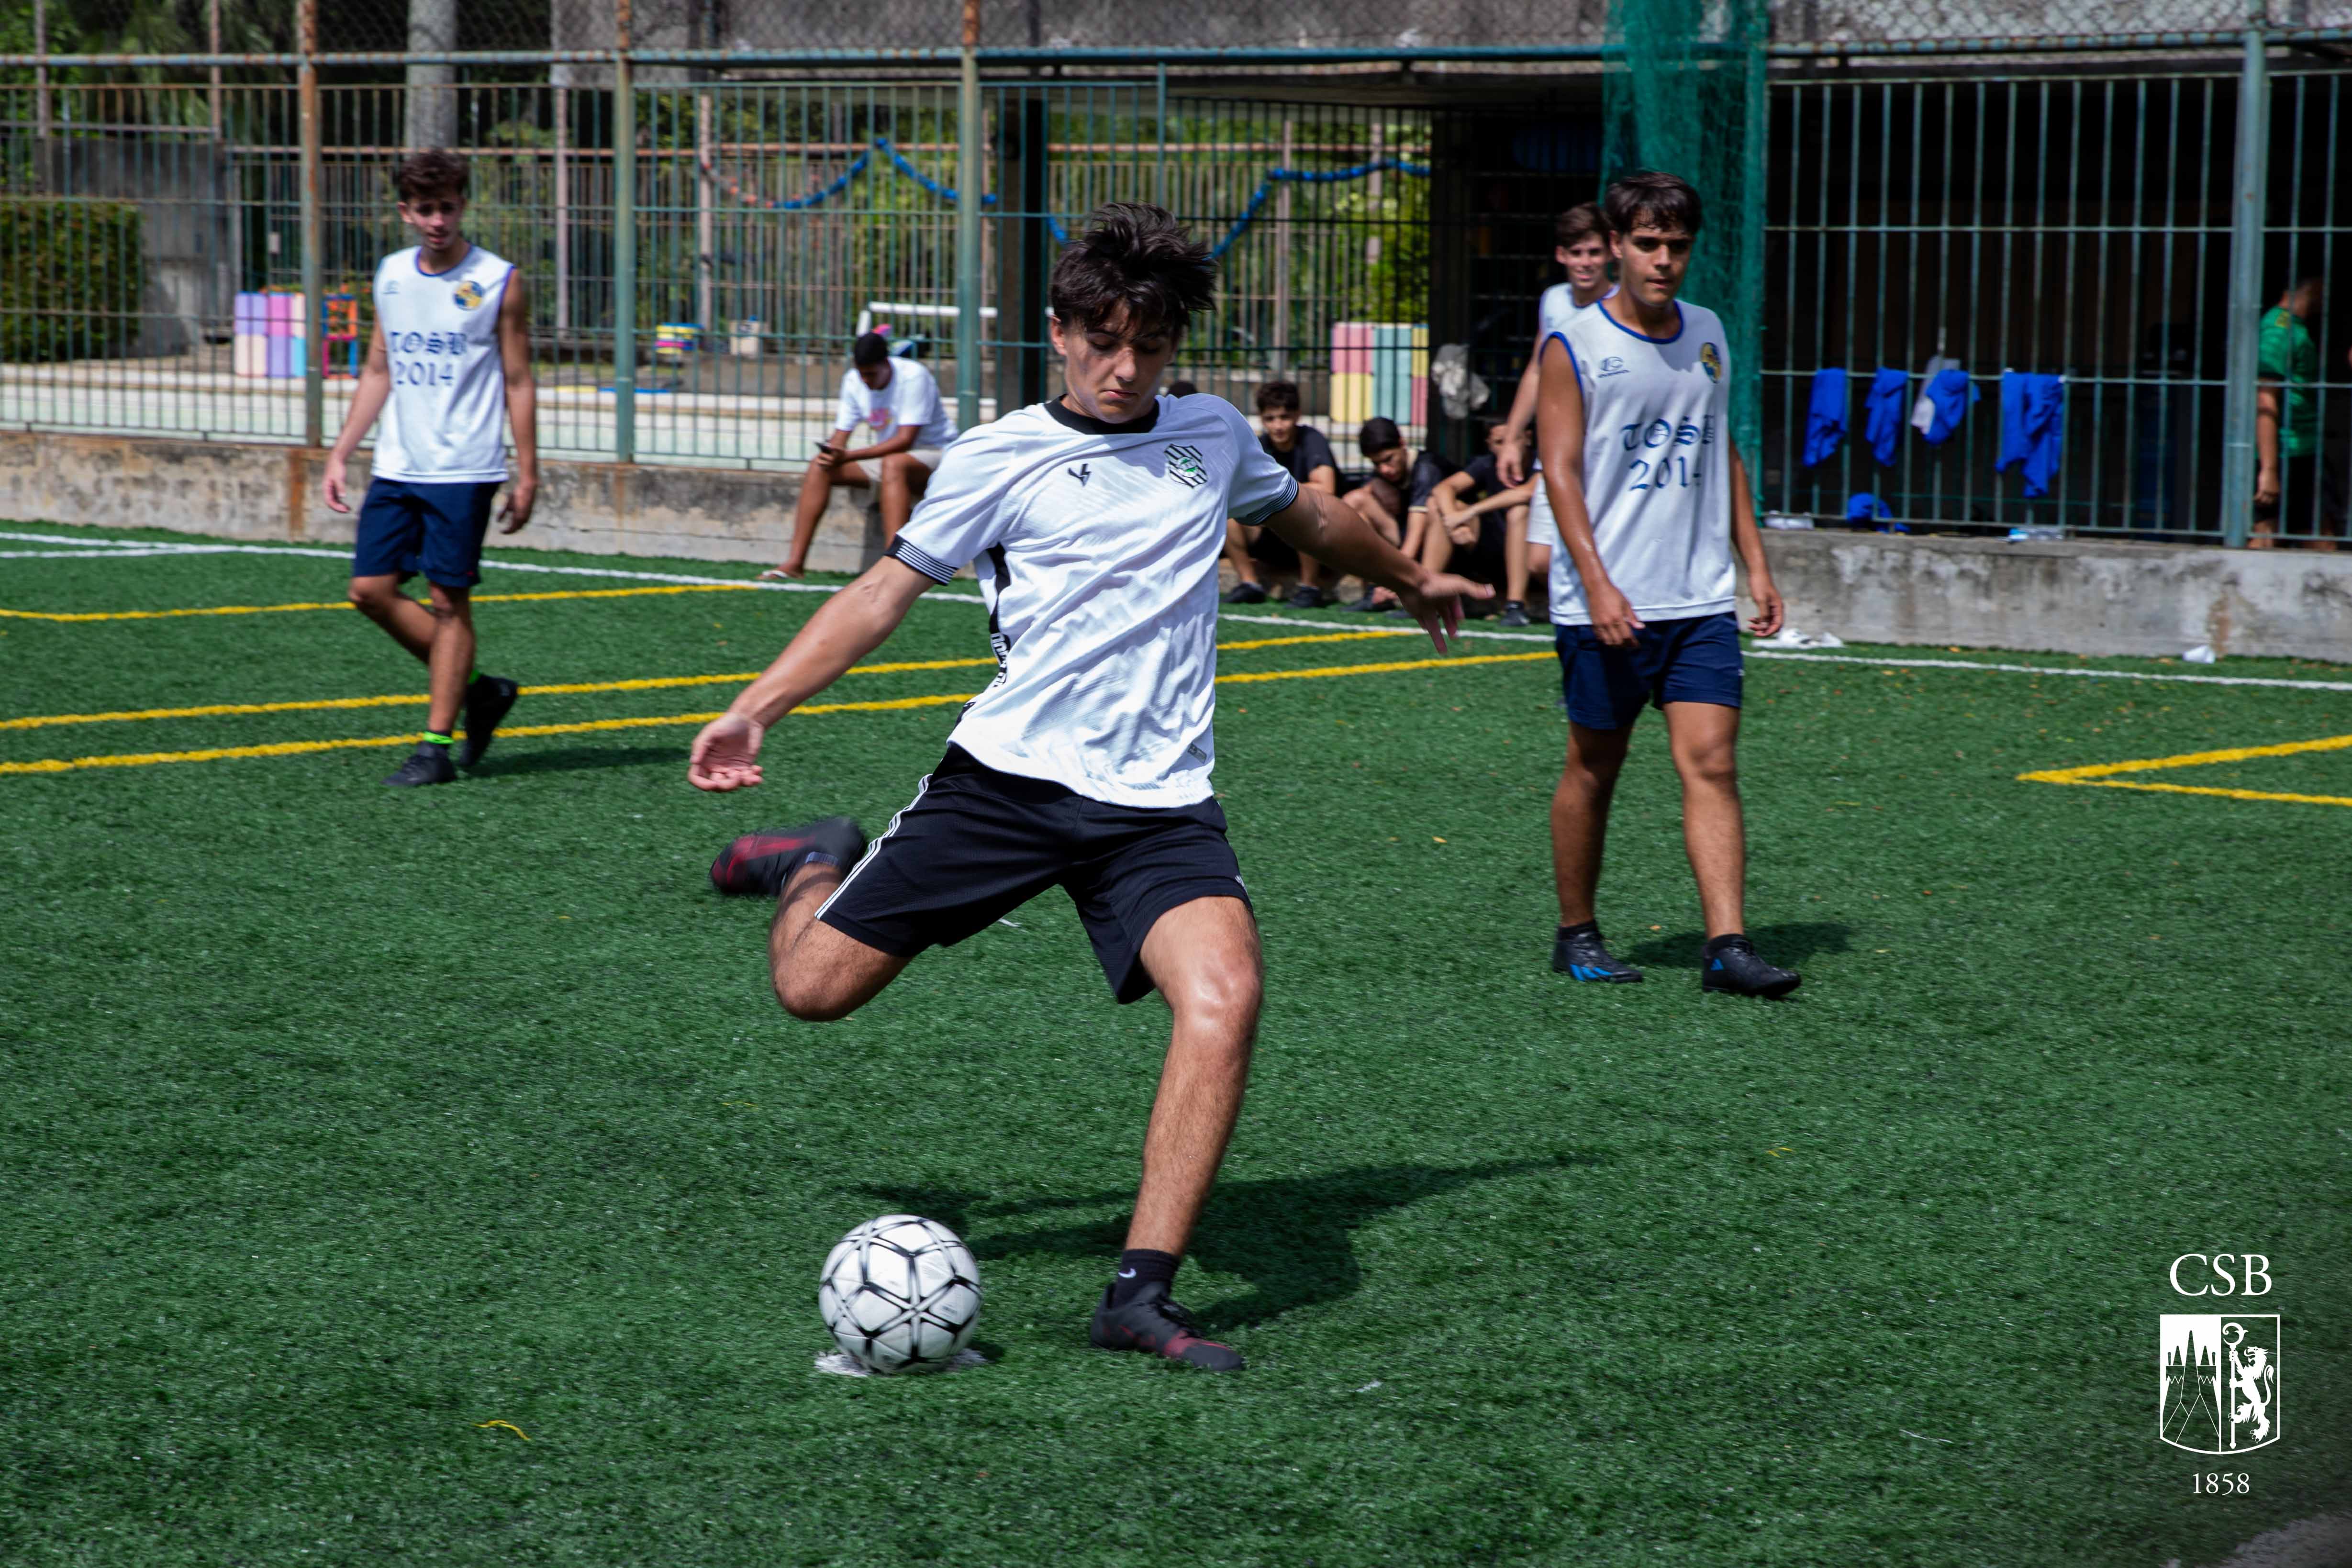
pixel 409 623
pixel 452 657
pixel 817 482
pixel 1580 827
pixel 1522 563
pixel 903 483
pixel 822 974
pixel 1203 955
pixel 1703 738
pixel 1237 555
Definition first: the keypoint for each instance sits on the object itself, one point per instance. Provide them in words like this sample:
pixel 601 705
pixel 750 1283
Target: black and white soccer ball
pixel 901 1295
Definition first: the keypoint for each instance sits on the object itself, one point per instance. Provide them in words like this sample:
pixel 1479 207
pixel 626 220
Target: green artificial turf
pixel 339 1122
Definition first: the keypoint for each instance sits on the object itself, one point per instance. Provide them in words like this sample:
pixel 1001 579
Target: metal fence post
pixel 1160 134
pixel 624 246
pixel 969 118
pixel 314 237
pixel 2238 458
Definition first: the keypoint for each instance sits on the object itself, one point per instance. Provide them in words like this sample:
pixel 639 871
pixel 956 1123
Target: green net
pixel 1683 91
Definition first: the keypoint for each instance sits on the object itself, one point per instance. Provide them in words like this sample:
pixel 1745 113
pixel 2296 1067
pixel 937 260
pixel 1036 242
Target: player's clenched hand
pixel 521 495
pixel 1769 611
pixel 334 487
pixel 1511 465
pixel 726 754
pixel 1613 621
pixel 1437 604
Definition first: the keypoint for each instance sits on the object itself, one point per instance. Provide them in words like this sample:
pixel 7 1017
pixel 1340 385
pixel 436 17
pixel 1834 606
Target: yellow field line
pixel 341 604
pixel 655 683
pixel 2102 774
pixel 307 747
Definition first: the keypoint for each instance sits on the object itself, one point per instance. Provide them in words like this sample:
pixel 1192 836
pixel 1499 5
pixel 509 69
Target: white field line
pixel 152 548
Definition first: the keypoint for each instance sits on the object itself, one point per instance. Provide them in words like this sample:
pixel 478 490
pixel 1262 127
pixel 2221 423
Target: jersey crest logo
pixel 1613 366
pixel 467 295
pixel 1186 467
pixel 1082 473
pixel 1711 362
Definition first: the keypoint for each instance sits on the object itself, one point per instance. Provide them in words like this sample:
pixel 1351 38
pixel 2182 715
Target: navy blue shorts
pixel 437 530
pixel 1691 661
pixel 977 845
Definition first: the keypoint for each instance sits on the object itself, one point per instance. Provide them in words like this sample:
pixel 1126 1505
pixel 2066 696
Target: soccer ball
pixel 901 1295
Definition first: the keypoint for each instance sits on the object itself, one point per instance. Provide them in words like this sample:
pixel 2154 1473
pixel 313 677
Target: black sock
pixel 1138 1267
pixel 1589 928
pixel 1718 943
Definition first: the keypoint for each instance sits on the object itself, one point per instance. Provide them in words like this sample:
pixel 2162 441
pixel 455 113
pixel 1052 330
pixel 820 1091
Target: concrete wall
pixel 2074 596
pixel 2071 596
pixel 254 492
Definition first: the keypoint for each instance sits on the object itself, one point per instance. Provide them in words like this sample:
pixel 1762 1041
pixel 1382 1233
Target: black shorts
pixel 1482 560
pixel 976 844
pixel 1270 549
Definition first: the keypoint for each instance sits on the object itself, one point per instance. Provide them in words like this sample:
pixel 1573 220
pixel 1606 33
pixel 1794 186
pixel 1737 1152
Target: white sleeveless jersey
pixel 445 422
pixel 1657 465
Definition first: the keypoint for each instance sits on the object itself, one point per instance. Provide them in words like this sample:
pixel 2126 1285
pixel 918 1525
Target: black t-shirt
pixel 1429 471
pixel 1308 451
pixel 1484 479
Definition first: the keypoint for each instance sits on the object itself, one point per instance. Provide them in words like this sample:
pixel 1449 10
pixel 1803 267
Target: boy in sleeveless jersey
pixel 448 364
pixel 1651 500
pixel 1581 248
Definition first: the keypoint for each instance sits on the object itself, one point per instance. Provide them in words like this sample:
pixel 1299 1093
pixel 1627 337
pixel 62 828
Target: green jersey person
pixel 2292 479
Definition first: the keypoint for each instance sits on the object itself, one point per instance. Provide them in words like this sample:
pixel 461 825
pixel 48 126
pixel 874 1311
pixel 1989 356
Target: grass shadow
pixel 503 764
pixel 1289 1236
pixel 1789 945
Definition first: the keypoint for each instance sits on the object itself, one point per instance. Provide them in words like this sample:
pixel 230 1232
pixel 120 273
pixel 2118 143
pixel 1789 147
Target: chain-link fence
pixel 178 255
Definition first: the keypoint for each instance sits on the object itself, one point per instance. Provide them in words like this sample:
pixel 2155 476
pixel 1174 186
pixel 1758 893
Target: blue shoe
pixel 1734 967
pixel 1582 958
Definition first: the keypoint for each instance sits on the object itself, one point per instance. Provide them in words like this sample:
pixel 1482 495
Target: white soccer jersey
pixel 1657 465
pixel 1096 549
pixel 910 397
pixel 445 422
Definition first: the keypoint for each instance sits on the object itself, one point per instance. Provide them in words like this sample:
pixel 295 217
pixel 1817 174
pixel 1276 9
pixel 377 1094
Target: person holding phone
pixel 896 402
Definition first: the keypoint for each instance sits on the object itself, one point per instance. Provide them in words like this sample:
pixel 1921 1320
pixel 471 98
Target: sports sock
pixel 1138 1267
pixel 1718 943
pixel 433 738
pixel 1588 928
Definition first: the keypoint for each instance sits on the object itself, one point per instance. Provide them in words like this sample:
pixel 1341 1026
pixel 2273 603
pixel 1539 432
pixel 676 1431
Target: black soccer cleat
pixel 1305 598
pixel 1152 1322
pixel 1515 612
pixel 1245 593
pixel 1734 967
pixel 488 698
pixel 428 764
pixel 1582 958
pixel 762 863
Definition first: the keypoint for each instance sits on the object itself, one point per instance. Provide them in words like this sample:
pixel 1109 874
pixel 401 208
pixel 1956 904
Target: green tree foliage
pixel 70 276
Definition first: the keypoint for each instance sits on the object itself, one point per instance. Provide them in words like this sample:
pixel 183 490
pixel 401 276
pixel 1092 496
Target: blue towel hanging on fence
pixel 1951 394
pixel 1881 412
pixel 2033 421
pixel 1825 418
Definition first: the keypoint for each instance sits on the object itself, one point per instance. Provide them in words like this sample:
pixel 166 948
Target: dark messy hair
pixel 1183 389
pixel 436 171
pixel 1136 260
pixel 1379 435
pixel 869 349
pixel 1283 395
pixel 1581 222
pixel 1661 201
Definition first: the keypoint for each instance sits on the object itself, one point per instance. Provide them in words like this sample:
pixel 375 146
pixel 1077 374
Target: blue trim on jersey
pixel 1679 324
pixel 1572 365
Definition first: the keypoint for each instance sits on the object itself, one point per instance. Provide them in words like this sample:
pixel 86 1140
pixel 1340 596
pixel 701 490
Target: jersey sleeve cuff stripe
pixel 922 561
pixel 1269 511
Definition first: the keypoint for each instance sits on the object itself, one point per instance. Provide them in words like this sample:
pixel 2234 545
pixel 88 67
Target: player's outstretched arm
pixel 1328 530
pixel 1512 465
pixel 849 625
pixel 1559 432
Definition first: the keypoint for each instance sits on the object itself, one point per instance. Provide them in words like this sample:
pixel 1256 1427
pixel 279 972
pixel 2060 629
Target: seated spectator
pixel 1183 389
pixel 1301 449
pixel 1395 499
pixel 1474 517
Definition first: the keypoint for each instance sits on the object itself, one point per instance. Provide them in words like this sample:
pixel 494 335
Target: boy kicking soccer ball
pixel 1096 521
